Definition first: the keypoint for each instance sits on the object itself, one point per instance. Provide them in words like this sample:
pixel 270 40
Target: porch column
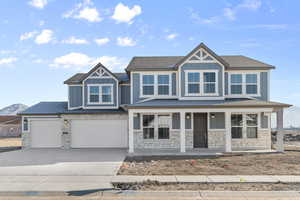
pixel 279 136
pixel 228 132
pixel 130 131
pixel 182 131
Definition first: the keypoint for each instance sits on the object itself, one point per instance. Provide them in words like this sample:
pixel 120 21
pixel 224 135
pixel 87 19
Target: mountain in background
pixel 13 109
pixel 291 118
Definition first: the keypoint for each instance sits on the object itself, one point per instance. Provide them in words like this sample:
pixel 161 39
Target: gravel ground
pixel 156 186
pixel 287 163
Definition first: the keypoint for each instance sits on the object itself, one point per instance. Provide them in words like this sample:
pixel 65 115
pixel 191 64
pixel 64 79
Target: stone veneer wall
pixel 171 143
pixel 216 139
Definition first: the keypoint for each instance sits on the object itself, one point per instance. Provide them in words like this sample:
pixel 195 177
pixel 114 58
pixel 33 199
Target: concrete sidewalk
pixel 208 179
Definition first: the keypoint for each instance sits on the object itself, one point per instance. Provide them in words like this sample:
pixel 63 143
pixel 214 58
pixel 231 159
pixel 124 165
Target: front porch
pixel 202 131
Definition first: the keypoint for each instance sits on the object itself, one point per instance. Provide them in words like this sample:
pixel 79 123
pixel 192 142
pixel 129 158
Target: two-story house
pixel 201 100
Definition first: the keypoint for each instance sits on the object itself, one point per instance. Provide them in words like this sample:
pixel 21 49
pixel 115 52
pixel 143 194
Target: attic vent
pixel 201 56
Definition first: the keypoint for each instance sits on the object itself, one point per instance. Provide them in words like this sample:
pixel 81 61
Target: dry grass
pixel 10 142
pixel 247 164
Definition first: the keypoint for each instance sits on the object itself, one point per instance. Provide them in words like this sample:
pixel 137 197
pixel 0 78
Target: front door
pixel 200 130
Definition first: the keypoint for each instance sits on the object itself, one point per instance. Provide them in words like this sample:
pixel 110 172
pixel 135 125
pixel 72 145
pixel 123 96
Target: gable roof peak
pixel 208 50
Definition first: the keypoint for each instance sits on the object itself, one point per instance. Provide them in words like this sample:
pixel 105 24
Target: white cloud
pixel 229 14
pixel 40 4
pixel 84 10
pixel 80 61
pixel 195 16
pixel 125 42
pixel 44 37
pixel 102 41
pixel 124 14
pixel 38 61
pixel 28 35
pixel 253 5
pixel 74 40
pixel 5 61
pixel 42 23
pixel 8 51
pixel 268 26
pixel 172 36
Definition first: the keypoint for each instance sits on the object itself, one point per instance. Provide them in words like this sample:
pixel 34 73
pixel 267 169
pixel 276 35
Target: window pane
pixel 251 119
pixel 209 88
pixel 163 90
pixel 148 120
pixel 236 78
pixel 163 133
pixel 236 132
pixel 106 89
pixel 163 79
pixel 236 120
pixel 148 133
pixel 236 89
pixel 193 77
pixel 94 89
pixel 251 89
pixel 193 88
pixel 148 79
pixel 106 98
pixel 209 77
pixel 25 124
pixel 251 132
pixel 148 90
pixel 251 78
pixel 94 98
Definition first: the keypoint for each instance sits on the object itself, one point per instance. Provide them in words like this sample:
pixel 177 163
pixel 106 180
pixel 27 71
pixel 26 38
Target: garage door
pixel 45 133
pixel 99 133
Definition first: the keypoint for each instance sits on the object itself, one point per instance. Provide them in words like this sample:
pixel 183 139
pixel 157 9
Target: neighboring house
pixel 201 100
pixel 10 126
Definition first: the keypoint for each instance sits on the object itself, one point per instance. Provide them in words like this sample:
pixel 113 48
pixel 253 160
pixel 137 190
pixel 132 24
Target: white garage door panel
pixel 45 133
pixel 99 133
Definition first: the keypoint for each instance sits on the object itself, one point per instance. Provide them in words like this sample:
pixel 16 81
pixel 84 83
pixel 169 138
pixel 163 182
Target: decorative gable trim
pixel 198 56
pixel 100 71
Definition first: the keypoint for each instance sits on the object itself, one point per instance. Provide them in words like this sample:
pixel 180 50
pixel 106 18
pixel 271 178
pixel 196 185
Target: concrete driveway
pixel 59 162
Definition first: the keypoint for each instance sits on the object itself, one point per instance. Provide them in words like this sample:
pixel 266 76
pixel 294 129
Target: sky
pixel 44 42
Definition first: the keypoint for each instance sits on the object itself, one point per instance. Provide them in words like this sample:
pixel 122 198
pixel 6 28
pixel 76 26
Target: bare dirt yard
pixel 287 163
pixel 154 185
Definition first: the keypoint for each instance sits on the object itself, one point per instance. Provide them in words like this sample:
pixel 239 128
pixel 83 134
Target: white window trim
pixel 100 94
pixel 201 58
pixel 244 84
pixel 201 93
pixel 155 95
pixel 244 123
pixel 156 125
pixel 28 125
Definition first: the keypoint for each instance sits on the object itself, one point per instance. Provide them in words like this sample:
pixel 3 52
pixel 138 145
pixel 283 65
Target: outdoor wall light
pixel 66 122
pixel 213 116
pixel 188 116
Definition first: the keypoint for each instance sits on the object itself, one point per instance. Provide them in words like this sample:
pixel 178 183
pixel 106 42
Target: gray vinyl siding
pixel 202 66
pixel 137 122
pixel 124 94
pixel 136 86
pixel 100 81
pixel 218 121
pixel 176 121
pixel 264 121
pixel 263 86
pixel 75 96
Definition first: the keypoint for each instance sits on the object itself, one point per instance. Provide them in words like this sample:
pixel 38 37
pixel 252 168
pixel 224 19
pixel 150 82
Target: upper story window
pixel 201 83
pixel 244 84
pixel 156 85
pixel 100 94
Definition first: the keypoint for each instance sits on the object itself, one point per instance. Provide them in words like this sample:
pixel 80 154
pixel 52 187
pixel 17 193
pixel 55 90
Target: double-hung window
pixel 164 122
pixel 236 125
pixel 201 83
pixel 148 85
pixel 163 84
pixel 251 125
pixel 148 126
pixel 155 85
pixel 100 94
pixel 244 84
pixel 209 82
pixel 251 83
pixel 193 79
